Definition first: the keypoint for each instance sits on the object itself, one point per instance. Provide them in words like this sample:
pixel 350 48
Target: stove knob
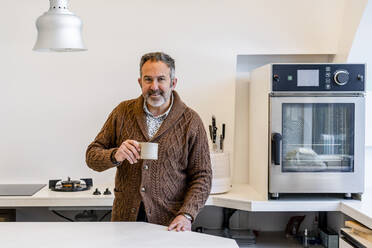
pixel 107 192
pixel 97 192
pixel 341 77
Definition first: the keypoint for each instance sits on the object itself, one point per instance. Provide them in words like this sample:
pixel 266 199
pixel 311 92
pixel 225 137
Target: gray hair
pixel 159 56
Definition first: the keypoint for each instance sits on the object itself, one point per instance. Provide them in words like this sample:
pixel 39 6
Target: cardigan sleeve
pixel 98 154
pixel 199 172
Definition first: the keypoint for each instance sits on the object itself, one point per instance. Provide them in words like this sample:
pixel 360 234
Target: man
pixel 172 189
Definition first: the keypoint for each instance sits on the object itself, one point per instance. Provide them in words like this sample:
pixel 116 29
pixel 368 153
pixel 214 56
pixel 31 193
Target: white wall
pixel 349 25
pixel 52 105
pixel 361 52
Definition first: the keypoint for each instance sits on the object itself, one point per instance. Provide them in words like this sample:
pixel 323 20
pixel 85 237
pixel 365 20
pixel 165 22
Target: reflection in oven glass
pixel 318 137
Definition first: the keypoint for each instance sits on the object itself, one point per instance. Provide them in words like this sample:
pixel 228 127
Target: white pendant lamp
pixel 59 30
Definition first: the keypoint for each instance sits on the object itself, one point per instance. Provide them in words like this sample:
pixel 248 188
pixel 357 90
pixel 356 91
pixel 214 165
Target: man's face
pixel 156 83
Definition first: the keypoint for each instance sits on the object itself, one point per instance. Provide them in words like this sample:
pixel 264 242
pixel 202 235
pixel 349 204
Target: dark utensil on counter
pixel 214 129
pixel 223 130
pixel 222 136
pixel 211 132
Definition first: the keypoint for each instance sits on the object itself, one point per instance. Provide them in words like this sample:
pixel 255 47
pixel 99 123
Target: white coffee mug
pixel 149 150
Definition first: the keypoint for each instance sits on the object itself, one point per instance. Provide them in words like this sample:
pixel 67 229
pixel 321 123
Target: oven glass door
pixel 317 133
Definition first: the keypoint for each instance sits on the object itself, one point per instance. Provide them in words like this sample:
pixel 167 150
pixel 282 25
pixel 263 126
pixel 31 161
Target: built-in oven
pixel 316 128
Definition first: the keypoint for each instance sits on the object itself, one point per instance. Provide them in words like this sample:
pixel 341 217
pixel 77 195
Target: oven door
pixel 317 145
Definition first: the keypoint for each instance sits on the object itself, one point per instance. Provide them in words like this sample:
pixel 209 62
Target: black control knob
pixel 360 77
pixel 96 192
pixel 341 77
pixel 276 78
pixel 107 192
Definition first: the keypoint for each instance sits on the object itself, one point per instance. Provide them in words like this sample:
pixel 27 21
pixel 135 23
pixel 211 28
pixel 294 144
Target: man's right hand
pixel 128 150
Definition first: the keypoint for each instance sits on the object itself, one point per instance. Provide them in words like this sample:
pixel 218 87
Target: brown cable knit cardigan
pixel 178 182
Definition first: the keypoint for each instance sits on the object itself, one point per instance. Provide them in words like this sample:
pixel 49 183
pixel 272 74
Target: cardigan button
pixel 133 210
pixel 143 189
pixel 145 167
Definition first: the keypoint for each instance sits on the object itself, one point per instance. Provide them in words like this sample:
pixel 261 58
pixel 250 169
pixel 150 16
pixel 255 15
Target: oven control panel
pixel 318 77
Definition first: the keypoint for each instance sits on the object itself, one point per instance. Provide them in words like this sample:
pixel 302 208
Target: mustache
pixel 155 92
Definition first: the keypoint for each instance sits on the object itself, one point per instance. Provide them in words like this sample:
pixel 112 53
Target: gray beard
pixel 163 99
pixel 155 103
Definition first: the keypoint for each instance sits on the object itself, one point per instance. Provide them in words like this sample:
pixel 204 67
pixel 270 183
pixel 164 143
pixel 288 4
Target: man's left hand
pixel 180 223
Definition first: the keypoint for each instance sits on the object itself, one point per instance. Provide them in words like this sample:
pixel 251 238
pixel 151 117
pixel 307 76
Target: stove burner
pixel 71 185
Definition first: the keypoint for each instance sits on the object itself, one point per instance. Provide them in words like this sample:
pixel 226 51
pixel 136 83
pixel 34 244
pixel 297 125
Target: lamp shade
pixel 59 30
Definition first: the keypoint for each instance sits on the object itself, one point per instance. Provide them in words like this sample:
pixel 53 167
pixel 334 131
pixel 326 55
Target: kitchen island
pixel 102 234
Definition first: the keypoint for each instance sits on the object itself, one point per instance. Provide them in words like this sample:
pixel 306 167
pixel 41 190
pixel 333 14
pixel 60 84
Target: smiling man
pixel 172 189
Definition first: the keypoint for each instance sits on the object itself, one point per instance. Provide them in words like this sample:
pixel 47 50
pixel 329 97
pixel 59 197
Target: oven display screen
pixel 307 78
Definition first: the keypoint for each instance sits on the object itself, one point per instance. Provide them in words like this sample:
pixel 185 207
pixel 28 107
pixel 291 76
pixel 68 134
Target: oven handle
pixel 276 138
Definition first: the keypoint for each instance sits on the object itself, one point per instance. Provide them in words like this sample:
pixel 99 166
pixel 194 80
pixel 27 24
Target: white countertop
pixel 241 196
pixel 48 198
pixel 360 210
pixel 102 234
pixel 244 197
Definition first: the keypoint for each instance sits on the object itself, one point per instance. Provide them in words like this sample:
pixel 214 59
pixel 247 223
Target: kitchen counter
pixel 48 198
pixel 244 197
pixel 103 234
pixel 359 210
pixel 241 197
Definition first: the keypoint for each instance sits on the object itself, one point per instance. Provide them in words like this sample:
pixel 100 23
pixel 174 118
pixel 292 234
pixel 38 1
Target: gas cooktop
pixel 70 185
